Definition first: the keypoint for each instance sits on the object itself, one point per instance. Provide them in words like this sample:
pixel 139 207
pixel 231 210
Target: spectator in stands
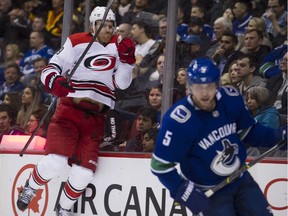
pixel 155 100
pixel 247 71
pixel 182 22
pixel 54 23
pixel 276 21
pixel 124 6
pixel 270 65
pixel 34 8
pixel 12 84
pixel 225 79
pixel 12 99
pixel 11 54
pixel 181 76
pixel 233 74
pixel 242 13
pixel 253 44
pixel 259 23
pixel 221 25
pixel 131 14
pixel 146 120
pixel 18 29
pixel 196 28
pixel 39 48
pixel 149 140
pixel 162 28
pixel 218 9
pixel 7 122
pixel 134 97
pixel 144 36
pixel 278 86
pixel 31 101
pixel 179 90
pixel 149 61
pixel 154 72
pixel 39 65
pixel 35 119
pixel 114 8
pixel 193 46
pixel 260 104
pixel 38 23
pixel 226 53
pixel 228 13
pixel 124 30
pixel 198 10
pixel 5 7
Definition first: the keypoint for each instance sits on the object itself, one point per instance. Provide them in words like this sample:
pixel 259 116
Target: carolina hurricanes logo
pixel 226 161
pixel 100 62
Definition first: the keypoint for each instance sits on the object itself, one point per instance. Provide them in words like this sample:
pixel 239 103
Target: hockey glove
pixel 191 197
pixel 126 51
pixel 58 85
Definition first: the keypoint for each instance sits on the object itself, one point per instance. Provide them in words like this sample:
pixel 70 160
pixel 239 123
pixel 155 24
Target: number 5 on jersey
pixel 167 138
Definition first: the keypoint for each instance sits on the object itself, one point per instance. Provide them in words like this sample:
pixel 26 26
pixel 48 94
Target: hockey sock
pixel 49 167
pixel 78 180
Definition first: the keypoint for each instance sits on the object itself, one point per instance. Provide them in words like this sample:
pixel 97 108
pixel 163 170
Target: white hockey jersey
pixel 98 74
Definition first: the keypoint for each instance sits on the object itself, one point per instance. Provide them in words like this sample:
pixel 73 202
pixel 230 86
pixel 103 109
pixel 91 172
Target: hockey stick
pixel 38 126
pixel 69 76
pixel 244 168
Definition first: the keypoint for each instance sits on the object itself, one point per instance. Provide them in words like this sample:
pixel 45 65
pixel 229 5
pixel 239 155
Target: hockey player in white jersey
pixel 200 133
pixel 77 126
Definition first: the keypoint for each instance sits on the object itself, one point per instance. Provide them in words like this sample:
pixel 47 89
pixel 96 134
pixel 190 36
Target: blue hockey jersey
pixel 26 63
pixel 206 145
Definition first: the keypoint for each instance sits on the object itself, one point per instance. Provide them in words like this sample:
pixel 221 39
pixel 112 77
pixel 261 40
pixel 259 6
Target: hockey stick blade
pixel 239 172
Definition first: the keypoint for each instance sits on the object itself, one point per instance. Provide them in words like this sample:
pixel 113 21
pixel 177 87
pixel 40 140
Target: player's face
pixel 203 95
pixel 106 32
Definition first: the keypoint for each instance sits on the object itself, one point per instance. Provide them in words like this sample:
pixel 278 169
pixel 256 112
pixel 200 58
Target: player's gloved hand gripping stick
pixel 59 85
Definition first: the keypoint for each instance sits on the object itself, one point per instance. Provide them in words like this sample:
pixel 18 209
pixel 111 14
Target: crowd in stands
pixel 246 39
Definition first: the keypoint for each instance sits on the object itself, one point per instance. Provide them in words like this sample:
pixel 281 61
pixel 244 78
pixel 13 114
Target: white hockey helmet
pixel 98 14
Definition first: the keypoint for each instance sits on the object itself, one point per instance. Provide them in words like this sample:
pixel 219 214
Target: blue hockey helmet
pixel 203 71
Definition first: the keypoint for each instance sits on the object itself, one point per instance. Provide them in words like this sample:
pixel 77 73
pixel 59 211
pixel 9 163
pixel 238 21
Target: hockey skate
pixel 26 195
pixel 61 212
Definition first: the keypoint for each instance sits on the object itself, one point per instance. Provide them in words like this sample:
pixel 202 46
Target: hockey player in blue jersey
pixel 201 134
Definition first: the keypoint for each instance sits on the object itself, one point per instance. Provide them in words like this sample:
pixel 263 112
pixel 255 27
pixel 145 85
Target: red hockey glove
pixel 126 51
pixel 192 197
pixel 58 85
